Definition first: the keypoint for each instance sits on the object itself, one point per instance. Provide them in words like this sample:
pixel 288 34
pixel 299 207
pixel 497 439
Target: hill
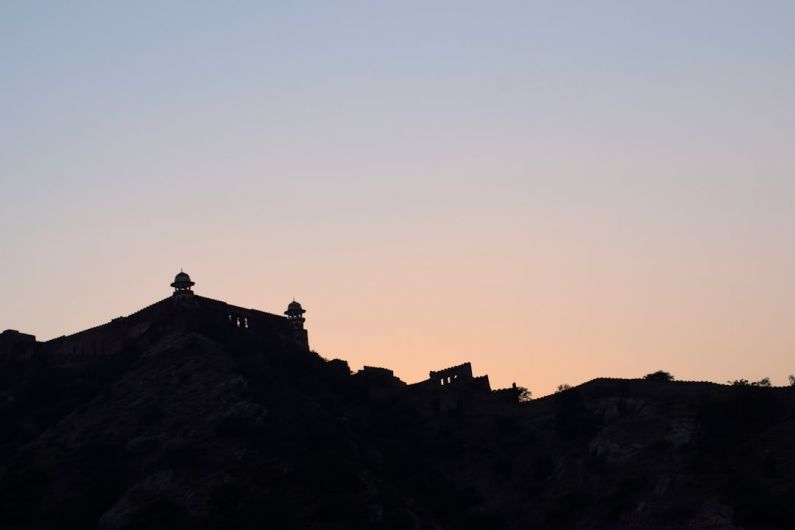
pixel 196 426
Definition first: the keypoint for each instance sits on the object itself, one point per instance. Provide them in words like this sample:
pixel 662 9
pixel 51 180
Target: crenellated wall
pixel 619 386
pixel 108 338
pixel 16 346
pixel 481 383
pixel 181 311
pixel 451 375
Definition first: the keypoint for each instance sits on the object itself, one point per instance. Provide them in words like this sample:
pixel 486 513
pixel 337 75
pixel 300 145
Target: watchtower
pixel 295 315
pixel 182 285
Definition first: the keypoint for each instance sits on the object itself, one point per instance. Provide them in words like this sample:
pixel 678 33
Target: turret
pixel 295 316
pixel 182 285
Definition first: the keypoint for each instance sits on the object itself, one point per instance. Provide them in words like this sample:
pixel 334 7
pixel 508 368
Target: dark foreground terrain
pixel 206 429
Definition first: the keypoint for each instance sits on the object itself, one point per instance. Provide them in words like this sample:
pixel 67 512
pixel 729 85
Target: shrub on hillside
pixel 659 375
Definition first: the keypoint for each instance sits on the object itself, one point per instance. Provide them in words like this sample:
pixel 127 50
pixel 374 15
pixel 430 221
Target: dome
pixel 182 281
pixel 294 309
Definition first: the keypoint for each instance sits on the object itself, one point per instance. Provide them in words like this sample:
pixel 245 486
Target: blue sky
pixel 575 162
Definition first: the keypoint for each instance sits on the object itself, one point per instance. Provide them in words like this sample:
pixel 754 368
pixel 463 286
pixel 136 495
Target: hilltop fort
pixel 186 310
pixel 195 413
pixel 183 308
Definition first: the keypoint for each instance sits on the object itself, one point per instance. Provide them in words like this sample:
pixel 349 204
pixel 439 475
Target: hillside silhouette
pixel 192 422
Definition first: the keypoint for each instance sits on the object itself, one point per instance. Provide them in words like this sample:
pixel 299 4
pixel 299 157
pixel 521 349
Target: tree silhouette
pixel 524 394
pixel 764 382
pixel 659 375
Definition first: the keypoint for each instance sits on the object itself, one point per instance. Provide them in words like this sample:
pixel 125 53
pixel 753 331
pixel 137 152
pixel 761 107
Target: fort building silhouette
pixel 185 310
pixel 182 307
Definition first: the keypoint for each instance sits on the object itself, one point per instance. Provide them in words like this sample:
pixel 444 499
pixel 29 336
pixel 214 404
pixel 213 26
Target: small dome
pixel 182 281
pixel 294 309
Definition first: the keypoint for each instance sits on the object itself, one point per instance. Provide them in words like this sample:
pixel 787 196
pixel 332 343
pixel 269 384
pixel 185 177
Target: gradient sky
pixel 554 191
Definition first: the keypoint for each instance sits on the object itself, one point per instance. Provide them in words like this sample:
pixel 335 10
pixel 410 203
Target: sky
pixel 554 191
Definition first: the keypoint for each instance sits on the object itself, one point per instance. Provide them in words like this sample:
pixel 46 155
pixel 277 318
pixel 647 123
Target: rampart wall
pixel 110 338
pixel 15 346
pixel 451 375
pixel 642 386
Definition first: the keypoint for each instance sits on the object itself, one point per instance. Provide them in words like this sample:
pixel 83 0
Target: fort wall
pixel 16 346
pixel 110 338
pixel 451 375
pixel 642 386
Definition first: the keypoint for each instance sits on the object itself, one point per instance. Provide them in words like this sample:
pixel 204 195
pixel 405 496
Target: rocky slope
pixel 204 429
